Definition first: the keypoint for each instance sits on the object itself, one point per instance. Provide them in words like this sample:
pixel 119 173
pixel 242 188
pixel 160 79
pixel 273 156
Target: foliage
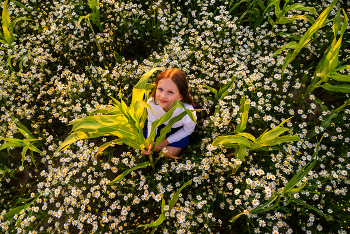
pixel 62 68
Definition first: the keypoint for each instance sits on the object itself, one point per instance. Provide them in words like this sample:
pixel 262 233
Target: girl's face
pixel 167 92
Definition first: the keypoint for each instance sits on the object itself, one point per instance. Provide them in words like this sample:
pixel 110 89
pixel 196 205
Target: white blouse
pixel 186 122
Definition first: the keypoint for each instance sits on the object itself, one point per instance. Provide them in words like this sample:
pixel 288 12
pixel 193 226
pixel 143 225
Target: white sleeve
pixel 186 130
pixel 151 117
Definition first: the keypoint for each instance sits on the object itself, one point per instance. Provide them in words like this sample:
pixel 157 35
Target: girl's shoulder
pixel 188 106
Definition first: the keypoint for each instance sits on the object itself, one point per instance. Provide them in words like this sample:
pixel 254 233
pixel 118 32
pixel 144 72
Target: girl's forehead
pixel 167 82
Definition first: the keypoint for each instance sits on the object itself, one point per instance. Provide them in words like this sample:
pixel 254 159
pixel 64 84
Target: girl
pixel 171 85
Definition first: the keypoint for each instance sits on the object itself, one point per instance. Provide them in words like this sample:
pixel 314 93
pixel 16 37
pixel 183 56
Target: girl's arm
pixel 186 130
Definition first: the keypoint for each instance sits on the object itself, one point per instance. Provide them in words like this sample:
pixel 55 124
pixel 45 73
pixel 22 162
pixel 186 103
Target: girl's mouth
pixel 161 101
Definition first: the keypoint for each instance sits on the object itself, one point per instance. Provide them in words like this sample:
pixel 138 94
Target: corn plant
pixel 222 93
pixel 28 143
pixel 18 209
pixel 288 191
pixel 334 113
pixel 306 38
pixel 7 37
pixel 241 141
pixel 165 209
pixel 126 123
pixel 329 65
pixel 94 16
pixel 281 19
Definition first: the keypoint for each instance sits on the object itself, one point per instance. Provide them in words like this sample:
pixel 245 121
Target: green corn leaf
pixel 6 22
pixel 244 117
pixel 339 77
pixel 224 90
pixel 139 108
pixel 21 63
pixel 242 149
pixel 32 157
pixel 156 223
pixel 21 5
pixel 290 45
pixel 325 123
pixel 308 35
pixel 9 59
pixel 107 144
pixel 86 17
pixel 261 208
pixel 272 134
pixel 134 143
pixel 228 141
pixel 18 209
pixel 342 67
pixel 76 136
pixel 7 145
pixel 336 23
pixel 166 117
pixel 24 151
pixel 211 90
pixel 273 130
pixel 113 111
pixel 287 20
pixel 345 24
pixel 302 203
pixel 299 7
pixel 298 177
pixel 13 24
pixel 237 216
pixel 247 135
pixel 140 88
pixel 343 88
pixel 167 128
pixel 35 149
pixel 276 141
pixel 143 82
pixel 176 195
pixel 323 107
pixel 122 175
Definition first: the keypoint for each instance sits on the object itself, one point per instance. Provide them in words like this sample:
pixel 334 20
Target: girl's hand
pixel 162 145
pixel 149 151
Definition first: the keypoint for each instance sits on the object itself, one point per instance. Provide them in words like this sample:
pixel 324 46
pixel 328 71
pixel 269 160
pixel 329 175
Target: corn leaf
pixel 141 86
pixel 228 141
pixel 266 208
pixel 237 216
pixel 166 117
pixel 298 177
pixel 212 90
pixel 107 144
pixel 247 135
pixel 122 175
pixel 343 88
pixel 273 130
pixel 302 203
pixel 24 151
pixel 21 5
pixel 244 116
pixel 299 7
pixel 336 23
pixel 306 38
pixel 156 223
pixel 242 149
pixel 176 195
pixel 167 128
pixel 276 141
pixel 339 77
pixel 81 18
pixel 18 209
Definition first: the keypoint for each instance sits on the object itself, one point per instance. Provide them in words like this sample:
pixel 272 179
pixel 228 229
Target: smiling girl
pixel 171 85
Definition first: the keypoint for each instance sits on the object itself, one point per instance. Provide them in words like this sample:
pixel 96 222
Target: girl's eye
pixel 160 89
pixel 171 92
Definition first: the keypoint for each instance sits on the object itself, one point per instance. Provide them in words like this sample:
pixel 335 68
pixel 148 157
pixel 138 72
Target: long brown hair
pixel 180 79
